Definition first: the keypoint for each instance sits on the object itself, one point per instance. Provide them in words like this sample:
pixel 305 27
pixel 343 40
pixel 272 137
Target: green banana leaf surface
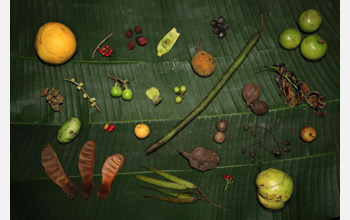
pixel 314 167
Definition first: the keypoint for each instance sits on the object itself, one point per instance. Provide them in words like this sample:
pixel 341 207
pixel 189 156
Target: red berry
pixel 231 177
pixel 111 51
pixel 111 128
pixel 128 33
pixel 138 29
pixel 141 41
pixel 131 45
pixel 107 46
pixel 225 177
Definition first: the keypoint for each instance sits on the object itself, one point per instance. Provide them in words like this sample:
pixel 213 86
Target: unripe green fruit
pixel 127 94
pixel 116 91
pixel 275 188
pixel 290 38
pixel 313 47
pixel 309 21
pixel 69 130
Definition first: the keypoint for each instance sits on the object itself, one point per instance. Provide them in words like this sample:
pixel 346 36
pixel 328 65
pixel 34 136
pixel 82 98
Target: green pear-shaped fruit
pixel 69 130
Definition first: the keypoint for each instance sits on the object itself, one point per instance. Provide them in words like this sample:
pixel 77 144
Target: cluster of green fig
pixel 180 92
pixel 312 47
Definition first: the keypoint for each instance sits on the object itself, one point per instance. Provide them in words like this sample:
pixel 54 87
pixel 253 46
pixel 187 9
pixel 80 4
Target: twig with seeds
pixel 99 45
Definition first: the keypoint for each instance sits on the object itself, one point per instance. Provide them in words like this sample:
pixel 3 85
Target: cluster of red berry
pixel 229 181
pixel 105 51
pixel 228 176
pixel 141 40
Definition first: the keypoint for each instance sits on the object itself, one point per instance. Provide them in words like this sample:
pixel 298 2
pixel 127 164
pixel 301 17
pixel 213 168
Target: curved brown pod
pixel 55 172
pixel 86 168
pixel 109 170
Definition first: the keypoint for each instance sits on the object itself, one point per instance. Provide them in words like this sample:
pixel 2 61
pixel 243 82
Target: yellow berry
pixel 141 130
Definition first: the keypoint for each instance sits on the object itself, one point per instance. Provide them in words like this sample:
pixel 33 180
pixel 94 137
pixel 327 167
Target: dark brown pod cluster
pixel 259 107
pixel 251 92
pixel 54 98
pixel 202 159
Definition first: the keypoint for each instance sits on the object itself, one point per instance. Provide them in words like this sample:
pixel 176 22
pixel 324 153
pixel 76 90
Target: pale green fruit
pixel 69 130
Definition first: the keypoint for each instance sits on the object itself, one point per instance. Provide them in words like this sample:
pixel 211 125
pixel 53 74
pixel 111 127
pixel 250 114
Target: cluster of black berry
pixel 220 26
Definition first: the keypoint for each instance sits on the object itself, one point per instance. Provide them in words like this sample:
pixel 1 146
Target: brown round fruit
pixel 308 134
pixel 259 107
pixel 251 92
pixel 203 63
pixel 219 137
pixel 221 125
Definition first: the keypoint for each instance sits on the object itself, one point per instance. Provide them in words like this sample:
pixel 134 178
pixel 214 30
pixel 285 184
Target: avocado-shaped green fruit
pixel 275 188
pixel 69 130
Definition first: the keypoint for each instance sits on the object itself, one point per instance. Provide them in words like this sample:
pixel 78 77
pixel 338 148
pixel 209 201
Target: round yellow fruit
pixel 141 130
pixel 308 134
pixel 55 43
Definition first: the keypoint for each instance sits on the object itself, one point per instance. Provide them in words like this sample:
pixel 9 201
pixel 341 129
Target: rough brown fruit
pixel 251 93
pixel 259 107
pixel 202 62
pixel 202 159
pixel 221 125
pixel 219 137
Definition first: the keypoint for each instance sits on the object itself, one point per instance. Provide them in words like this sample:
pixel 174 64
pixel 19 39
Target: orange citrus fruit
pixel 55 43
pixel 141 130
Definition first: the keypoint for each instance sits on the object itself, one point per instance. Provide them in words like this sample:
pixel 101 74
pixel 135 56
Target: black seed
pixel 222 34
pixel 213 23
pixel 216 29
pixel 221 20
pixel 246 128
pixel 225 25
pixel 253 133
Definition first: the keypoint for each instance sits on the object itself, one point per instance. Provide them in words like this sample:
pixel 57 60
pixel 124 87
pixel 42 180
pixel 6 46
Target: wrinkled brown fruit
pixel 251 93
pixel 259 107
pixel 54 98
pixel 86 168
pixel 202 159
pixel 109 171
pixel 55 172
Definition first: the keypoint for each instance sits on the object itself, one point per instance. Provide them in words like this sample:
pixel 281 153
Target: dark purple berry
pixel 225 25
pixel 213 23
pixel 216 29
pixel 222 34
pixel 221 20
pixel 131 45
pixel 128 33
pixel 138 29
pixel 141 41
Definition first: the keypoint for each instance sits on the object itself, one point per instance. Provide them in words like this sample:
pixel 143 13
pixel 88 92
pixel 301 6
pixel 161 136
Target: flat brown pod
pixel 55 172
pixel 109 170
pixel 86 168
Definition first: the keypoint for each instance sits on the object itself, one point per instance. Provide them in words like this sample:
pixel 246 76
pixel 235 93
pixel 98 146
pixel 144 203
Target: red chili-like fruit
pixel 131 45
pixel 111 128
pixel 141 41
pixel 128 33
pixel 138 29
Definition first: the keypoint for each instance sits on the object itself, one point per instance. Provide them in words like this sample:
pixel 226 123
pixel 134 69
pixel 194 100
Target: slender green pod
pixel 172 178
pixel 174 200
pixel 177 195
pixel 212 94
pixel 161 183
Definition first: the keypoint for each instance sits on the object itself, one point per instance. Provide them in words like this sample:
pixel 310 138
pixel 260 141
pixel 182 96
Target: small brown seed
pixel 219 137
pixel 252 154
pixel 259 107
pixel 221 125
pixel 246 128
pixel 251 93
pixel 253 133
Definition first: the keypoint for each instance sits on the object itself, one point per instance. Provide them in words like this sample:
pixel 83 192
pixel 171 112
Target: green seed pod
pixel 69 130
pixel 154 94
pixel 161 183
pixel 167 42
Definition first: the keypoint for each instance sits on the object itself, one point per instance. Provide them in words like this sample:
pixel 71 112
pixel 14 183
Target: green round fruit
pixel 290 38
pixel 178 99
pixel 127 94
pixel 309 21
pixel 183 89
pixel 313 47
pixel 116 91
pixel 176 89
pixel 69 130
pixel 275 188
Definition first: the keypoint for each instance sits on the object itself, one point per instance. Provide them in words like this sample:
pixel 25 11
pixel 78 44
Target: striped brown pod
pixel 86 168
pixel 55 172
pixel 109 171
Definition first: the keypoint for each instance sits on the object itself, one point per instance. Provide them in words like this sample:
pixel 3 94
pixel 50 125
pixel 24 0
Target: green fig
pixel 69 130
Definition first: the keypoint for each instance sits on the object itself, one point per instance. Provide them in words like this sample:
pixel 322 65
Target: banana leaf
pixel 314 167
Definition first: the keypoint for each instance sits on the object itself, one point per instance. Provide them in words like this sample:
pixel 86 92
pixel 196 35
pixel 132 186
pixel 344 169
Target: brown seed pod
pixel 259 107
pixel 251 93
pixel 219 137
pixel 86 168
pixel 202 159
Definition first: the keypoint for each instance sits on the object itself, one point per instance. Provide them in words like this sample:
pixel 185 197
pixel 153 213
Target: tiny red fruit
pixel 106 126
pixel 131 45
pixel 141 41
pixel 138 29
pixel 111 128
pixel 128 33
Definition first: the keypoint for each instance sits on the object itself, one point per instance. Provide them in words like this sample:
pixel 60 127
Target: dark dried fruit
pixel 219 137
pixel 54 98
pixel 213 23
pixel 246 128
pixel 131 45
pixel 251 93
pixel 128 33
pixel 259 107
pixel 202 159
pixel 138 29
pixel 141 41
pixel 216 29
pixel 221 125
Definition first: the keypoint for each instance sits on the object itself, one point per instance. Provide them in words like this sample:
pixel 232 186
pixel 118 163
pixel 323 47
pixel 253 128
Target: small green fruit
pixel 313 47
pixel 116 91
pixel 176 90
pixel 275 188
pixel 127 94
pixel 290 38
pixel 183 89
pixel 309 21
pixel 178 99
pixel 69 130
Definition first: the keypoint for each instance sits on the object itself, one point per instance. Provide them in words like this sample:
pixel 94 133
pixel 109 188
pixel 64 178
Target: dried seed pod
pixel 251 93
pixel 221 125
pixel 109 171
pixel 219 137
pixel 202 159
pixel 259 107
pixel 44 92
pixel 55 172
pixel 86 168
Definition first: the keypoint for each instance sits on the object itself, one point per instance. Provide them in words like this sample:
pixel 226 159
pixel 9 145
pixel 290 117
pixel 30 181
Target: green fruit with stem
pixel 176 90
pixel 309 21
pixel 183 89
pixel 127 94
pixel 313 47
pixel 290 38
pixel 178 99
pixel 116 91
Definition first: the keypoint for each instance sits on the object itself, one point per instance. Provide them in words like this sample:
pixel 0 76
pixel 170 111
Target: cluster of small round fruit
pixel 219 26
pixel 79 87
pixel 312 47
pixel 105 51
pixel 141 40
pixel 180 92
pixel 117 91
pixel 220 136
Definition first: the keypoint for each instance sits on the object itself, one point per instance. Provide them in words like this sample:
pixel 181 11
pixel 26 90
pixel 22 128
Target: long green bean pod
pixel 212 94
pixel 161 183
pixel 174 200
pixel 174 194
pixel 172 178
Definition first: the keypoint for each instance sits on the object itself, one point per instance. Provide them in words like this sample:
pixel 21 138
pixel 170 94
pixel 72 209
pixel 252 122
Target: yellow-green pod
pixel 167 42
